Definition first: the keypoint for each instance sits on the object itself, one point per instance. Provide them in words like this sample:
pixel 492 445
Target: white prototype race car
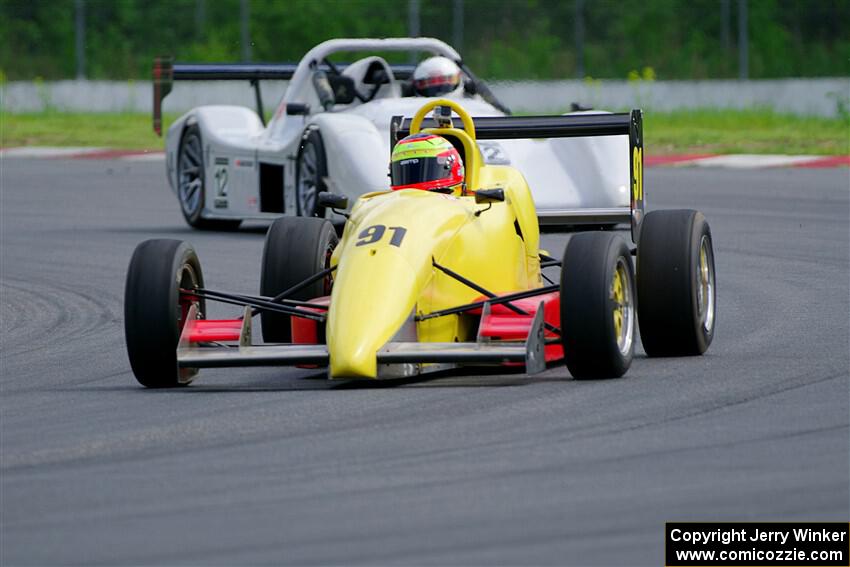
pixel 333 130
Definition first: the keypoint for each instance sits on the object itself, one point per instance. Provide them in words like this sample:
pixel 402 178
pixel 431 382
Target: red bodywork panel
pixel 306 331
pixel 212 330
pixel 504 324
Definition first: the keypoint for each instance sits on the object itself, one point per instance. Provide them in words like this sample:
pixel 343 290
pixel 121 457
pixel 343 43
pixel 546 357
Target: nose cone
pixel 375 297
pixel 385 263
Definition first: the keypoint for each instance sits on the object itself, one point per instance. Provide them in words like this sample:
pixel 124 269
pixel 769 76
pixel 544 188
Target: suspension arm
pixel 507 303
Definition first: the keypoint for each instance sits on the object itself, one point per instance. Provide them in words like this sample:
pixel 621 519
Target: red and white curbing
pixel 748 161
pixel 40 152
pixel 733 161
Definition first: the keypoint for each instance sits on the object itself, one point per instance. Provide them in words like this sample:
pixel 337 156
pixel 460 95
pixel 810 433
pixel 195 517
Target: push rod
pixel 298 287
pixel 212 294
pixel 258 305
pixel 489 294
pixel 495 301
pixel 546 261
pixel 476 287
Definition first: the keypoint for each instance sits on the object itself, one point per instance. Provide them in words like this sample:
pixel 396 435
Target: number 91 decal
pixel 376 232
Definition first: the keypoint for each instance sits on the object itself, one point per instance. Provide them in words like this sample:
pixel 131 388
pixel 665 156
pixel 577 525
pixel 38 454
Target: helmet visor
pixel 416 170
pixel 436 86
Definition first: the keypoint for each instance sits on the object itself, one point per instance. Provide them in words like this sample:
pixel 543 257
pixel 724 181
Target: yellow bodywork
pixel 385 271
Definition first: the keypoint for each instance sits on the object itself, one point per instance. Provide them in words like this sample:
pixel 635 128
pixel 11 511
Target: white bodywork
pixel 565 174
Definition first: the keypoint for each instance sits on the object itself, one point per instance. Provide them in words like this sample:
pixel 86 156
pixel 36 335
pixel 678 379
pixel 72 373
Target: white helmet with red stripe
pixel 437 76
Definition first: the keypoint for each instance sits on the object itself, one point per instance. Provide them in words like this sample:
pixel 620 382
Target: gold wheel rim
pixel 623 307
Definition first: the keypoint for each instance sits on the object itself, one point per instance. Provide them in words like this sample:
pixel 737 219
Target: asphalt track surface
pixel 280 466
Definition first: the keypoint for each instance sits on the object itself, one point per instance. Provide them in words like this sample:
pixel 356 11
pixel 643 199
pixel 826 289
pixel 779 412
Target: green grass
pixel 131 131
pixel 699 131
pixel 744 131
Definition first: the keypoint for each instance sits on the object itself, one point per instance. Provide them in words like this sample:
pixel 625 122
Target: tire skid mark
pixel 44 314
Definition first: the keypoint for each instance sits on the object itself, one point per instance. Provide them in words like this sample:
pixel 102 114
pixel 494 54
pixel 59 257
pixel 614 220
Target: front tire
pixel 597 306
pixel 191 183
pixel 155 310
pixel 295 249
pixel 312 168
pixel 676 283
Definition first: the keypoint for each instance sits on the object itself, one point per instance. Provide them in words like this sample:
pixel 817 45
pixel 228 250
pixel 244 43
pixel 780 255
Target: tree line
pixel 501 39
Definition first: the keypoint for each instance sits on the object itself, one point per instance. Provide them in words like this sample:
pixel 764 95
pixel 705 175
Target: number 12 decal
pixel 376 232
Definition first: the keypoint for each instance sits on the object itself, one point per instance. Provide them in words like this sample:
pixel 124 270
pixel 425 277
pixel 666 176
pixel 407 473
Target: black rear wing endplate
pixel 560 126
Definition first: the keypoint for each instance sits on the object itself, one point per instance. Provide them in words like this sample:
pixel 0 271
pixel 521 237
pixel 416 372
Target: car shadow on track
pixel 478 377
pixel 270 381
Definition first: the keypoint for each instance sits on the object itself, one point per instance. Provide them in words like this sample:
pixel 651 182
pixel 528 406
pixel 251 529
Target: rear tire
pixel 295 249
pixel 676 283
pixel 597 306
pixel 191 183
pixel 154 311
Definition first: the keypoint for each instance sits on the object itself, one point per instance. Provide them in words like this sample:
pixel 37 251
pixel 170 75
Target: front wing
pixel 201 346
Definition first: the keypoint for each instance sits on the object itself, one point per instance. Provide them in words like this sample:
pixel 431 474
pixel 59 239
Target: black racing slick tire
pixel 191 183
pixel 155 310
pixel 296 248
pixel 311 170
pixel 676 283
pixel 597 306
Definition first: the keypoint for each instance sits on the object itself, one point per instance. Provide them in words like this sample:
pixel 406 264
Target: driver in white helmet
pixel 437 76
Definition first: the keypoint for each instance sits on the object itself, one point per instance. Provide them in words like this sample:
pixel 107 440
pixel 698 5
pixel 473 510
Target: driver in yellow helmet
pixel 427 162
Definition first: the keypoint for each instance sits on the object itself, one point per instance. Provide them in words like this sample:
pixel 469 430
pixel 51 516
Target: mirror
pixel 297 109
pixel 489 196
pixel 332 200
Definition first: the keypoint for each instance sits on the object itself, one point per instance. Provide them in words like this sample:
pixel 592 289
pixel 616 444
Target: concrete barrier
pixel 818 97
pixel 130 96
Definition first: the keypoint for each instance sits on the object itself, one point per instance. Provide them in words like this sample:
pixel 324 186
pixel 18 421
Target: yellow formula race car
pixel 422 281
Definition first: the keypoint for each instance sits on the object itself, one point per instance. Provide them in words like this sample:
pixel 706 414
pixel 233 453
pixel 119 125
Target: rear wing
pixel 569 126
pixel 165 72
